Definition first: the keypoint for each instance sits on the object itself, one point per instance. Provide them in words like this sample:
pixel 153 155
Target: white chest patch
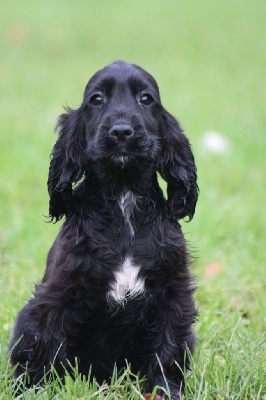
pixel 127 284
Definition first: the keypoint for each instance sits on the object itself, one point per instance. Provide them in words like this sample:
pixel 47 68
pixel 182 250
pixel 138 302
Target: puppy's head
pixel 120 110
pixel 121 124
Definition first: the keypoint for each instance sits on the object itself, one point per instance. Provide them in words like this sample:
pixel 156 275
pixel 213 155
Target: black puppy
pixel 117 285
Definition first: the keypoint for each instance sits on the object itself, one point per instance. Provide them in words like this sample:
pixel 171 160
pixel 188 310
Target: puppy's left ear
pixel 177 167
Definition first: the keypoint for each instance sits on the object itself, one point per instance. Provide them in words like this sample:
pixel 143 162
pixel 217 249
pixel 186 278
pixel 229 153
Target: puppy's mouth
pixel 124 154
pixel 120 159
pixel 125 158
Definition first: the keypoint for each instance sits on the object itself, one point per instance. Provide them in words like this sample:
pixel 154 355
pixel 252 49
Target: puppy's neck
pixel 128 203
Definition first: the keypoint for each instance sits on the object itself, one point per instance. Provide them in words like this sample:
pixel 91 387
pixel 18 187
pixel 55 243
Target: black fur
pixel 115 143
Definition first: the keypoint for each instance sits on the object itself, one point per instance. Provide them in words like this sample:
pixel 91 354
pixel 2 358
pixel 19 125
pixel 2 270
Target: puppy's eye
pixel 96 100
pixel 146 99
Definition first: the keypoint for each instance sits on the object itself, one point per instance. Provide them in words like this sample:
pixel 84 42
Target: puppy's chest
pixel 129 246
pixel 127 283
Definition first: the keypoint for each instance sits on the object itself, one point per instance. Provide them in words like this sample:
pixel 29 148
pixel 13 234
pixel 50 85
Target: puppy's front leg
pixel 34 347
pixel 164 372
pixel 171 336
pixel 50 322
pixel 48 350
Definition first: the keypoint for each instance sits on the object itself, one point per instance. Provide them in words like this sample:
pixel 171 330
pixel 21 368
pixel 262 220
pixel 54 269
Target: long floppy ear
pixel 67 162
pixel 177 168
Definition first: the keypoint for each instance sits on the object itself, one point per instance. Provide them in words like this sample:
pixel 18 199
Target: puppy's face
pixel 121 112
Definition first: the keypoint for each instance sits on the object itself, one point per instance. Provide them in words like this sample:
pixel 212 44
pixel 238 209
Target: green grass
pixel 209 60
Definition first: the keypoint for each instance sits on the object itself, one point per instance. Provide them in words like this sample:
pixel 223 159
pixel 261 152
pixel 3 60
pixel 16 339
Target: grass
pixel 209 60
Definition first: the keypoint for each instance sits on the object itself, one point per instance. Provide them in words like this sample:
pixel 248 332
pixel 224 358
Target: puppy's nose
pixel 121 132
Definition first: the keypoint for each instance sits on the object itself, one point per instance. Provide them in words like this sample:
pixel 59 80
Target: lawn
pixel 209 60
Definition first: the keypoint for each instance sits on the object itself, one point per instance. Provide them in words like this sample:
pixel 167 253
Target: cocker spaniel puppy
pixel 117 285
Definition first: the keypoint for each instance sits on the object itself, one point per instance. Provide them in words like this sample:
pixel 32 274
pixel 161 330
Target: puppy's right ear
pixel 67 162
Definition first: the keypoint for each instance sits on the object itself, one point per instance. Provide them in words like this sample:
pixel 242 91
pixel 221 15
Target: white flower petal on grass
pixel 216 142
